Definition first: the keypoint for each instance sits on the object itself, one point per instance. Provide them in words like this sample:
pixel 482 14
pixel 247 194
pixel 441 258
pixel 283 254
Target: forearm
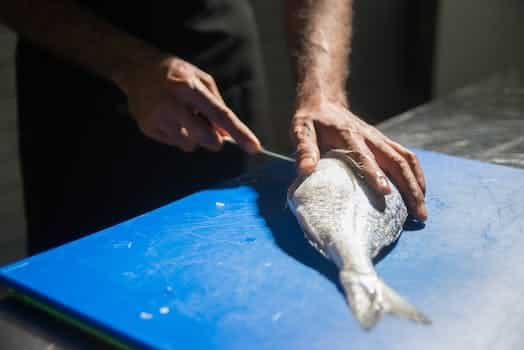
pixel 320 33
pixel 319 37
pixel 75 34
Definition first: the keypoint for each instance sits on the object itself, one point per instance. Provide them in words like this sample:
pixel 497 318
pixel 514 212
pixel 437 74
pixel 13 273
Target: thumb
pixel 305 138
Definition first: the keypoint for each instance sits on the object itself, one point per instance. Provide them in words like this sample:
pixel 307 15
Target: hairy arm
pixel 320 39
pixel 172 101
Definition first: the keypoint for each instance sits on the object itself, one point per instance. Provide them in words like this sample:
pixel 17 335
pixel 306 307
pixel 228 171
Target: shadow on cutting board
pixel 288 234
pixel 271 187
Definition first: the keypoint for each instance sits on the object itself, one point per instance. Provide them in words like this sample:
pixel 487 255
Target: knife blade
pixel 264 151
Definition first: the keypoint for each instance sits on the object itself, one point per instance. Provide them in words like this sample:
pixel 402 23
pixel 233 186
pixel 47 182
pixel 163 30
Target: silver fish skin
pixel 349 224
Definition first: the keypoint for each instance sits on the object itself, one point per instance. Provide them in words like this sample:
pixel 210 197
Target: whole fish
pixel 349 224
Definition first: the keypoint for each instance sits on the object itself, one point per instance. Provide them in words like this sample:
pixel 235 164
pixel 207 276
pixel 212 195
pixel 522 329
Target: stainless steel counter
pixel 484 121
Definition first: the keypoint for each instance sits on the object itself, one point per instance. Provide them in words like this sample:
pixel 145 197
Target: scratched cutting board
pixel 228 268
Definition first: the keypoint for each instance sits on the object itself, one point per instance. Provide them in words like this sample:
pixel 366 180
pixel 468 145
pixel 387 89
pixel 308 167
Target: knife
pixel 123 108
pixel 264 151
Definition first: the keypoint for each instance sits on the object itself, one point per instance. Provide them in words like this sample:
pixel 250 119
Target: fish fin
pixel 370 298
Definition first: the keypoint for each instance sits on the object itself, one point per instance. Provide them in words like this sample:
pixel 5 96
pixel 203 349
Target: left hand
pixel 321 126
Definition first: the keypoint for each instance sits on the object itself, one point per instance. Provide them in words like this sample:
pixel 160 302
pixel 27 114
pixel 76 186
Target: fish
pixel 349 224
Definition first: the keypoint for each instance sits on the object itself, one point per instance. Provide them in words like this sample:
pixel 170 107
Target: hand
pixel 177 104
pixel 320 127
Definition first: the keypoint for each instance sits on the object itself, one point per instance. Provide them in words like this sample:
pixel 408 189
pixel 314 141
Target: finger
pixel 305 139
pixel 183 140
pixel 413 162
pixel 220 114
pixel 399 170
pixel 221 131
pixel 198 128
pixel 170 133
pixel 363 159
pixel 167 133
pixel 210 83
pixel 200 98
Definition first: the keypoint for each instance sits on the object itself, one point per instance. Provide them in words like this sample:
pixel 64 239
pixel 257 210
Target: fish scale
pixel 350 224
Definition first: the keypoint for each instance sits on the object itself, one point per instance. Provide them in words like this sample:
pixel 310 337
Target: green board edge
pixel 25 299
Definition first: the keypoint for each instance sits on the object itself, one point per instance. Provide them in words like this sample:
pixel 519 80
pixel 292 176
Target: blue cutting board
pixel 228 268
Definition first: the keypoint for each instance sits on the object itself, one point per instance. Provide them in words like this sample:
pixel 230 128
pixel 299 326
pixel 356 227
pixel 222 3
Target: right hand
pixel 176 103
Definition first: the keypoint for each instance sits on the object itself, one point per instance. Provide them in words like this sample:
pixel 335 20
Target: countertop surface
pixel 484 121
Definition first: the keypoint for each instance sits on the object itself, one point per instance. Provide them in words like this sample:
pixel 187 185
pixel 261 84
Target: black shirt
pixel 217 35
pixel 85 165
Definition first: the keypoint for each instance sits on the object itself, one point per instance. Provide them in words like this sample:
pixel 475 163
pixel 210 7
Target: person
pixel 185 72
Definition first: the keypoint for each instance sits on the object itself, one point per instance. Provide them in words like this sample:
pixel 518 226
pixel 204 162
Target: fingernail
pixel 306 166
pixel 383 181
pixel 423 213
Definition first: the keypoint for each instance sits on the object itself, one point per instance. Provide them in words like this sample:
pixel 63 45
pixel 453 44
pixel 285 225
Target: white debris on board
pixel 129 274
pixel 164 310
pixel 146 315
pixel 219 204
pixel 268 264
pixel 123 244
pixel 276 316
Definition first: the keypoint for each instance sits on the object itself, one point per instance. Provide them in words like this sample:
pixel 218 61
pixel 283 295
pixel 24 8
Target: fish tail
pixel 370 298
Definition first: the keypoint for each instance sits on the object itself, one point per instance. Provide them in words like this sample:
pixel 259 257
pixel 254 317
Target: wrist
pixel 124 74
pixel 314 94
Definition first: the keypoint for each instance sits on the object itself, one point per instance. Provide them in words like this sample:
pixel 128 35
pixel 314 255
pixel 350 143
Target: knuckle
pixel 303 148
pixel 178 71
pixel 415 200
pixel 404 167
pixel 409 199
pixel 358 156
pixel 300 119
pixel 412 158
pixel 400 162
pixel 301 129
pixel 342 127
pixel 209 78
pixel 181 73
pixel 403 164
pixel 375 133
pixel 297 133
pixel 419 198
pixel 179 66
pixel 415 192
pixel 348 135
